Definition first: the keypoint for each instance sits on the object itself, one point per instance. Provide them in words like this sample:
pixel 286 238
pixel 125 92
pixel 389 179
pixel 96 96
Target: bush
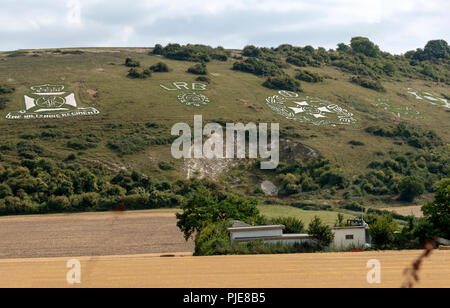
pixel 282 83
pixel 58 204
pixel 296 61
pixel 321 232
pixel 292 224
pixel 136 74
pixel 132 63
pixel 410 188
pixel 213 239
pixel 203 79
pixel 382 231
pixel 159 67
pixel 356 143
pixel 158 50
pixel 5 89
pixel 257 67
pixel 166 165
pixel 3 102
pixel 309 76
pixel 367 83
pixel 198 69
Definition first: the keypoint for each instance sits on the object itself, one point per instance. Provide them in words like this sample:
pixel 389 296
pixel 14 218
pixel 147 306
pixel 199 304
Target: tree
pixel 437 213
pixel 410 188
pixel 158 50
pixel 382 231
pixel 438 49
pixel 365 46
pixel 202 207
pixel 321 232
pixel 5 191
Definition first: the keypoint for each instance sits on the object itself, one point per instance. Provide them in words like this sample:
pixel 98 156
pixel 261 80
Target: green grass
pixel 273 211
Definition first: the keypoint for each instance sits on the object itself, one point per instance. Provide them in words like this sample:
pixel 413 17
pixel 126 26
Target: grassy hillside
pixel 132 130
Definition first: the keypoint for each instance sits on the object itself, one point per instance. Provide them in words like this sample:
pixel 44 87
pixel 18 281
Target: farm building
pixel 355 234
pixel 241 232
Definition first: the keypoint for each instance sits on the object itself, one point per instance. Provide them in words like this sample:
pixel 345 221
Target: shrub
pixel 282 83
pixel 158 50
pixel 356 143
pixel 135 74
pixel 258 67
pixel 382 231
pixel 367 83
pixel 309 76
pixel 132 63
pixel 292 224
pixel 296 61
pixel 410 188
pixel 321 232
pixel 166 165
pixel 159 67
pixel 58 204
pixel 203 79
pixel 213 239
pixel 198 69
pixel 5 89
pixel 3 102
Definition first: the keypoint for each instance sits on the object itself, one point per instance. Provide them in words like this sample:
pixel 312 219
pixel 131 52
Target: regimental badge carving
pixel 311 110
pixel 50 102
pixel 193 99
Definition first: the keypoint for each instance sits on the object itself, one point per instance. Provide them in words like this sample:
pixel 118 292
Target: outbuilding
pixel 354 235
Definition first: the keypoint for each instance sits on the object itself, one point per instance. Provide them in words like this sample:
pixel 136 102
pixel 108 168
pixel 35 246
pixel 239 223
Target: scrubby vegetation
pixel 369 84
pixel 33 186
pixel 159 67
pixel 132 63
pixel 139 74
pixel 192 53
pixel 4 91
pixel 308 76
pixel 282 83
pixel 198 69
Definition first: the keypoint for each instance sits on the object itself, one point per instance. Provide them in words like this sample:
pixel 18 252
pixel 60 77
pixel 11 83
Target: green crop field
pixel 132 129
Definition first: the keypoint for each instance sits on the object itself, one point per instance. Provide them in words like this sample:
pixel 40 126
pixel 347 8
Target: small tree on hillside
pixel 410 188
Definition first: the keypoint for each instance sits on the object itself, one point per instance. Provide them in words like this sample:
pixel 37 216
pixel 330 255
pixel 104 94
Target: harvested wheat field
pixel 279 271
pixel 91 234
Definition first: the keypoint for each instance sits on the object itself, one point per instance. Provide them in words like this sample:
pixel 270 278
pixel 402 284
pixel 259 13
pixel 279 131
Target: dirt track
pixel 279 271
pixel 90 234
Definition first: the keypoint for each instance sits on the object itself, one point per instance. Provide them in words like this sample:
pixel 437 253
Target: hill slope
pixel 386 119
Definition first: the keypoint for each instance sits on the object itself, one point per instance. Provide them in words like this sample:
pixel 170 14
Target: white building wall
pixel 258 233
pixel 340 241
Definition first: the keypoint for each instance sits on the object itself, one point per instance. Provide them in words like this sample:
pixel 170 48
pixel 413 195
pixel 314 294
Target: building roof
pixel 350 227
pixel 256 228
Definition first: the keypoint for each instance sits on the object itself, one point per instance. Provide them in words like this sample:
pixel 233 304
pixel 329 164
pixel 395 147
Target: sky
pixel 395 25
